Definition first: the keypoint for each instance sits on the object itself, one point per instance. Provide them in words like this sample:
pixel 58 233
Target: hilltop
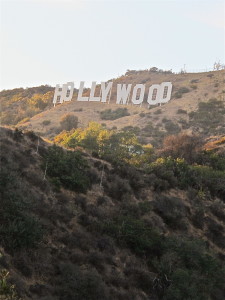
pixel 34 110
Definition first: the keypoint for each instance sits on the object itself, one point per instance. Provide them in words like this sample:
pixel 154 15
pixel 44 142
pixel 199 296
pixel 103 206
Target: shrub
pixel 182 146
pixel 158 112
pixel 77 284
pixel 66 168
pixel 172 127
pixel 46 122
pixel 181 111
pixel 172 210
pixel 209 115
pixel 181 91
pixel 68 122
pixel 117 188
pixel 135 234
pixel 109 114
pixel 7 290
pixel 18 229
pixel 194 80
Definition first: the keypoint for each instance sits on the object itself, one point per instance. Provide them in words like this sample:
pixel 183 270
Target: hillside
pixel 129 203
pixel 78 227
pixel 34 110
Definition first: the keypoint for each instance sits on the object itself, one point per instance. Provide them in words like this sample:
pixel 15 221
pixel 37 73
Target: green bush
pixel 181 91
pixel 172 210
pixel 67 168
pixel 77 284
pixel 46 122
pixel 181 111
pixel 135 234
pixel 171 127
pixel 109 114
pixel 176 172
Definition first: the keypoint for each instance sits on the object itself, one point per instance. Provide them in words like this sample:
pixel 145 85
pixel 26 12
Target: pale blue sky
pixel 49 42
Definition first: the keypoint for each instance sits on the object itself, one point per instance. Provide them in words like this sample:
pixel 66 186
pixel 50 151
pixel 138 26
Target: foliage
pixel 178 173
pixel 68 122
pixel 7 290
pixel 18 229
pixel 209 116
pixel 134 233
pixel 66 168
pixel 76 284
pixel 31 102
pixel 171 127
pixel 108 144
pixel 109 114
pixel 180 260
pixel 181 111
pixel 182 146
pixel 181 91
pixel 46 122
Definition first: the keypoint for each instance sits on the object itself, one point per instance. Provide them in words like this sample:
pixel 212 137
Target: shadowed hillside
pixel 78 227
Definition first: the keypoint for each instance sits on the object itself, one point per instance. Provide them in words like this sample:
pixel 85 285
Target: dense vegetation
pixel 114 231
pixel 136 213
pixel 109 114
pixel 19 105
pixel 66 169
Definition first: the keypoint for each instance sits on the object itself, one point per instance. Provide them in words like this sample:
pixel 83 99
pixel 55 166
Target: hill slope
pixel 71 229
pixel 189 91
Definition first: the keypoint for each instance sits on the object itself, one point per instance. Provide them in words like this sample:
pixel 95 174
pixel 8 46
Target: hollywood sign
pixel 157 93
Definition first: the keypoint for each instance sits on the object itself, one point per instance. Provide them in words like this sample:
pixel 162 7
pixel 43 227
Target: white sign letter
pixel 105 91
pixel 123 93
pixel 141 96
pixel 80 93
pixel 63 93
pixel 92 93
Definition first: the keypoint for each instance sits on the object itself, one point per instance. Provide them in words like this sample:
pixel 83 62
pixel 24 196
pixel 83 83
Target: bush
pixel 7 290
pixel 66 168
pixel 117 188
pixel 68 122
pixel 109 114
pixel 18 229
pixel 182 146
pixel 171 127
pixel 135 234
pixel 78 284
pixel 208 116
pixel 172 210
pixel 194 80
pixel 158 112
pixel 181 91
pixel 181 111
pixel 46 122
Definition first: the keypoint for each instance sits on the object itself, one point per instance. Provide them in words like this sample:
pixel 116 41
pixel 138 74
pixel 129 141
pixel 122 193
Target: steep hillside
pixel 190 92
pixel 19 105
pixel 78 227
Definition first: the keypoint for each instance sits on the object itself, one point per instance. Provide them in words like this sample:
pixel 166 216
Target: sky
pixel 53 41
